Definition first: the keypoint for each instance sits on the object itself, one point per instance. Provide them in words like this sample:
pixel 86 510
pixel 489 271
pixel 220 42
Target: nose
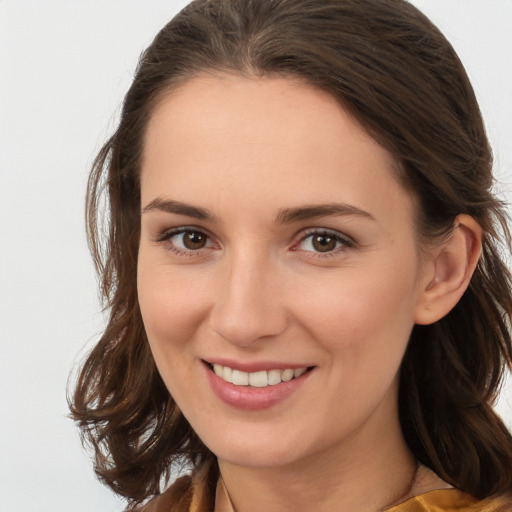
pixel 248 306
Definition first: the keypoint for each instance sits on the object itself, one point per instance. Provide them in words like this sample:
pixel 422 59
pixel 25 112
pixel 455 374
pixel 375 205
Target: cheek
pixel 171 311
pixel 171 306
pixel 367 316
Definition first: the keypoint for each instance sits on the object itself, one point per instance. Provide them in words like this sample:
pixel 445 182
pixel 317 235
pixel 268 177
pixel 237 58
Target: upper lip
pixel 255 366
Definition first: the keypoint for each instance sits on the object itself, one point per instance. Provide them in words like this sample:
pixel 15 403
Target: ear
pixel 449 271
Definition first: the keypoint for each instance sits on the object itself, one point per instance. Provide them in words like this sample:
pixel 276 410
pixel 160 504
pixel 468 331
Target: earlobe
pixel 453 264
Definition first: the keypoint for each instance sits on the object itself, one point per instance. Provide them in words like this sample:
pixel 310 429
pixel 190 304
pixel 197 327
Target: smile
pixel 258 389
pixel 260 379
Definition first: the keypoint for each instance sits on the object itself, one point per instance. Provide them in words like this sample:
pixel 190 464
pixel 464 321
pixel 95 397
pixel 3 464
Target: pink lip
pixel 253 399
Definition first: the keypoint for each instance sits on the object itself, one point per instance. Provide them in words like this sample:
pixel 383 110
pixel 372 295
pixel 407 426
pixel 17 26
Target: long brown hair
pixel 397 74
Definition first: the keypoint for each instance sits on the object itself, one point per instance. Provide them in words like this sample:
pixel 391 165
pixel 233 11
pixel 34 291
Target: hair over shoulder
pixel 386 63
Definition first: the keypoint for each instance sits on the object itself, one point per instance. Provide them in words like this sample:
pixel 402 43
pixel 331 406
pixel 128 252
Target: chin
pixel 257 457
pixel 253 450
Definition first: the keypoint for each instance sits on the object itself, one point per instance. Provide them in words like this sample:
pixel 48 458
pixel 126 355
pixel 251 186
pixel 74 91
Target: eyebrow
pixel 179 208
pixel 289 215
pixel 284 216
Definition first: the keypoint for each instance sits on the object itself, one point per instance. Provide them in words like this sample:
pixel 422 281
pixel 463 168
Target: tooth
pixel 287 375
pixel 274 377
pixel 227 374
pixel 299 371
pixel 240 378
pixel 258 379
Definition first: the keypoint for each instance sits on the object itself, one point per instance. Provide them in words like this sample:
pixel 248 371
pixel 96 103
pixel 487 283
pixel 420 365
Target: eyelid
pixel 165 236
pixel 347 241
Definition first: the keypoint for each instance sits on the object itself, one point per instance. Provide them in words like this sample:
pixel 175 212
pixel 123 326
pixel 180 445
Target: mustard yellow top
pixel 197 494
pixel 450 500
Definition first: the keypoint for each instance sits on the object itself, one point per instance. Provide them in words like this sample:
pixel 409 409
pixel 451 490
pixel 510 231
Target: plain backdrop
pixel 65 66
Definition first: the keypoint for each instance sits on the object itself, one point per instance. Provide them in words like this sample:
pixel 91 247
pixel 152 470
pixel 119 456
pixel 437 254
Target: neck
pixel 368 473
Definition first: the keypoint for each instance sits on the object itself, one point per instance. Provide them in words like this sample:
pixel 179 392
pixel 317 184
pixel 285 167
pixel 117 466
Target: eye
pixel 191 240
pixel 324 242
pixel 186 240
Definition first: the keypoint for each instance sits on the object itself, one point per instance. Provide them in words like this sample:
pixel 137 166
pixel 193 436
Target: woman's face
pixel 275 241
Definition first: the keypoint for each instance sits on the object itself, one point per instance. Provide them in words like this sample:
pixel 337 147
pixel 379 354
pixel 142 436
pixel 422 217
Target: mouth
pixel 258 379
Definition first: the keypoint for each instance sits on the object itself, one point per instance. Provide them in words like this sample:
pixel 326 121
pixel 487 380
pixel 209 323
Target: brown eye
pixel 324 243
pixel 186 240
pixel 194 240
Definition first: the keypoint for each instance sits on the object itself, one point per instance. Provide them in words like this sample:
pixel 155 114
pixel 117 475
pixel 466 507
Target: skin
pixel 246 150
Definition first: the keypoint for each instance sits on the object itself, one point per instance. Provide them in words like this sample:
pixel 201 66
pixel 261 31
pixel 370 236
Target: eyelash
pixel 345 241
pixel 166 236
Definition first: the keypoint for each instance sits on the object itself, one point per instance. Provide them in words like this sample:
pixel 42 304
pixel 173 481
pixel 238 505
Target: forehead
pixel 214 104
pixel 273 138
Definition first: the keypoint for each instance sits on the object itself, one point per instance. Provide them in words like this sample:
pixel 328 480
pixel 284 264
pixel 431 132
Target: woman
pixel 308 306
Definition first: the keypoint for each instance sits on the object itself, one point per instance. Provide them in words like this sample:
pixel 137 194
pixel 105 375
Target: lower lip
pixel 253 399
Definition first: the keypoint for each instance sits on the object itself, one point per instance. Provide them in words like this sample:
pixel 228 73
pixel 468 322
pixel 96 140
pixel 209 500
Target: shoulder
pixel 432 494
pixel 190 493
pixel 453 500
pixel 177 498
pixel 499 504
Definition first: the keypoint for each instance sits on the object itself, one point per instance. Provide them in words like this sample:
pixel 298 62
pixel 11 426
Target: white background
pixel 65 66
